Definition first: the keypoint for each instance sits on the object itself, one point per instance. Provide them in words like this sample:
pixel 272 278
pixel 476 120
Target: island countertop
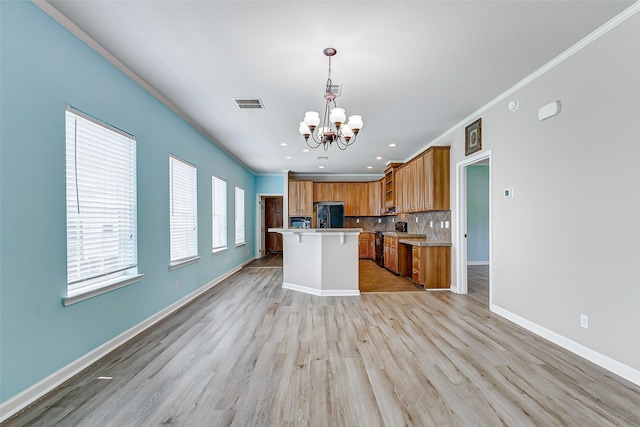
pixel 315 230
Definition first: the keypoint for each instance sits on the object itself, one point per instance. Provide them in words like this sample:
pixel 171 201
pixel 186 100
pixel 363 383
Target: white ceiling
pixel 412 69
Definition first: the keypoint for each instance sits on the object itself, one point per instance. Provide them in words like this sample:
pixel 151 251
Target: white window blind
pixel 183 210
pixel 219 212
pixel 239 216
pixel 101 203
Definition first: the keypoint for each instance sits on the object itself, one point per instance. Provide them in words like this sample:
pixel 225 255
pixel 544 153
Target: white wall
pixel 568 243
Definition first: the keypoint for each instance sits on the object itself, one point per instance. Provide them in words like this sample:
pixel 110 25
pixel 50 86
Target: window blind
pixel 101 201
pixel 239 216
pixel 219 213
pixel 183 210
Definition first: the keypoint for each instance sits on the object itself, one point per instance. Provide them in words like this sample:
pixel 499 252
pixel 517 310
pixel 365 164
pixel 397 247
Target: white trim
pixel 27 397
pixel 478 263
pixel 461 218
pixel 320 292
pixel 612 365
pixel 85 294
pixel 260 231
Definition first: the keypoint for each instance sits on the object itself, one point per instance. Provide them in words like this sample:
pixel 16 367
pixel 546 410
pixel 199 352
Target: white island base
pixel 320 261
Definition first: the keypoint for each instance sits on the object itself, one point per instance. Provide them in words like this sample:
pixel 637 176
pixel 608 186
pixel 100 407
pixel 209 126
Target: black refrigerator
pixel 330 214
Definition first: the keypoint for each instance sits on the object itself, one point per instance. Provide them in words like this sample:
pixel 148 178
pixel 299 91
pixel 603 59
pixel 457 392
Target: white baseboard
pixel 36 391
pixel 477 262
pixel 606 362
pixel 320 292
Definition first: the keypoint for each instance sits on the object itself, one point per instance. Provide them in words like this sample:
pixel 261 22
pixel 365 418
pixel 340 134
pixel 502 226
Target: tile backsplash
pixel 421 226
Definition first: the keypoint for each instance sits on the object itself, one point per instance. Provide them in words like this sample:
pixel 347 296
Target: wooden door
pixel 273 219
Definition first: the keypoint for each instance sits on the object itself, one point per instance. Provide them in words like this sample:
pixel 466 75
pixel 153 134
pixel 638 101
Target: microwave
pixel 300 222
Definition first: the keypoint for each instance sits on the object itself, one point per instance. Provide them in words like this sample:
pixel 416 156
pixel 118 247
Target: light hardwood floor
pixel 249 353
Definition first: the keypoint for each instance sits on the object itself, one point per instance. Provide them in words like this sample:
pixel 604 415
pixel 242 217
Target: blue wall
pixel 43 68
pixel 270 184
pixel 478 213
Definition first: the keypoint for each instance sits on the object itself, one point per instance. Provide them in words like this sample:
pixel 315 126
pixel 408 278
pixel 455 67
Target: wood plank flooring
pixel 249 353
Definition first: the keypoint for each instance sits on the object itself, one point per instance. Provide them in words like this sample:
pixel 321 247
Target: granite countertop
pixel 423 242
pixel 400 234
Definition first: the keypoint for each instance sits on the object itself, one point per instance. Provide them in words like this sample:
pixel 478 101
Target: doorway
pixel 269 214
pixel 480 264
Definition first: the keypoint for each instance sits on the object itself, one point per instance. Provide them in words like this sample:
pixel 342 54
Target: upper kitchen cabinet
pixel 422 184
pixel 327 192
pixel 300 198
pixel 436 179
pixel 374 201
pixel 389 188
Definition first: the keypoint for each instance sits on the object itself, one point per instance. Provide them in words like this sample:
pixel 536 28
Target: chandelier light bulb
pixel 338 116
pixel 311 119
pixel 347 133
pixel 304 130
pixel 355 123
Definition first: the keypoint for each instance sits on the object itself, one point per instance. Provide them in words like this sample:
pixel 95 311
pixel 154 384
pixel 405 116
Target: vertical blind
pixel 219 212
pixel 101 200
pixel 239 216
pixel 183 210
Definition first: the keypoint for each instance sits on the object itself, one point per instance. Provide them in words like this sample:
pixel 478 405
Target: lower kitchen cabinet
pixel 431 266
pixel 390 253
pixel 366 246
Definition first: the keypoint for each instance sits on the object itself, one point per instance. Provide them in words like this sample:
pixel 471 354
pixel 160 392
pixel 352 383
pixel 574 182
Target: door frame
pixel 260 250
pixel 461 223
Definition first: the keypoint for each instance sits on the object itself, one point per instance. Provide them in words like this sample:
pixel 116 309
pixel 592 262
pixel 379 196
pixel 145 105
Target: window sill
pixel 218 250
pixel 100 289
pixel 183 262
pixel 240 244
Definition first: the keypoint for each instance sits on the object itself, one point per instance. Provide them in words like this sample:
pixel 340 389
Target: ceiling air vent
pixel 249 104
pixel 323 158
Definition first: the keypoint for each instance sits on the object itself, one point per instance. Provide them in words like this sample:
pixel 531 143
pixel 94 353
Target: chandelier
pixel 333 128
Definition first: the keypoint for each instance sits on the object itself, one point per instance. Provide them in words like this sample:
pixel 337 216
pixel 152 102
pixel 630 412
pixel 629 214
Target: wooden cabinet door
pixel 322 192
pixel 419 188
pixel 391 253
pixel 428 180
pixel 300 198
pixel 411 187
pixel 374 195
pixel 363 245
pixel 294 199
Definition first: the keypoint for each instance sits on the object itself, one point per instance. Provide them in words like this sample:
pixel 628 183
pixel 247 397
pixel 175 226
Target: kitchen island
pixel 320 261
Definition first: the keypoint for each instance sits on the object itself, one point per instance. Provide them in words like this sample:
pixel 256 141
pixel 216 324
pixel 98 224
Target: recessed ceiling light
pixel 284 144
pixel 379 158
pixel 306 150
pixel 369 167
pixel 288 157
pixel 393 144
pixel 320 167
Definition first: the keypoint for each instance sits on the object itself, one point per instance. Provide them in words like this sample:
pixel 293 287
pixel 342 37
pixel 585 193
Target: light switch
pixel 446 224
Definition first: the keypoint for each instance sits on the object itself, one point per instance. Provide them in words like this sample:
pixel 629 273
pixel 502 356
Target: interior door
pixel 273 219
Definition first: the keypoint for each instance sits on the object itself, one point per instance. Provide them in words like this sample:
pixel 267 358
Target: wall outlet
pixel 441 224
pixel 446 224
pixel 416 219
pixel 357 220
pixel 379 220
pixel 177 284
pixel 431 224
pixel 584 321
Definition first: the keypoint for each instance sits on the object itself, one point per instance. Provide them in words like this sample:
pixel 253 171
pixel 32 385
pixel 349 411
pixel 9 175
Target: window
pixel 219 213
pixel 239 216
pixel 101 207
pixel 183 212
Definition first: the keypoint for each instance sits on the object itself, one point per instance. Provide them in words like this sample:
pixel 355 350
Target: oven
pixel 379 248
